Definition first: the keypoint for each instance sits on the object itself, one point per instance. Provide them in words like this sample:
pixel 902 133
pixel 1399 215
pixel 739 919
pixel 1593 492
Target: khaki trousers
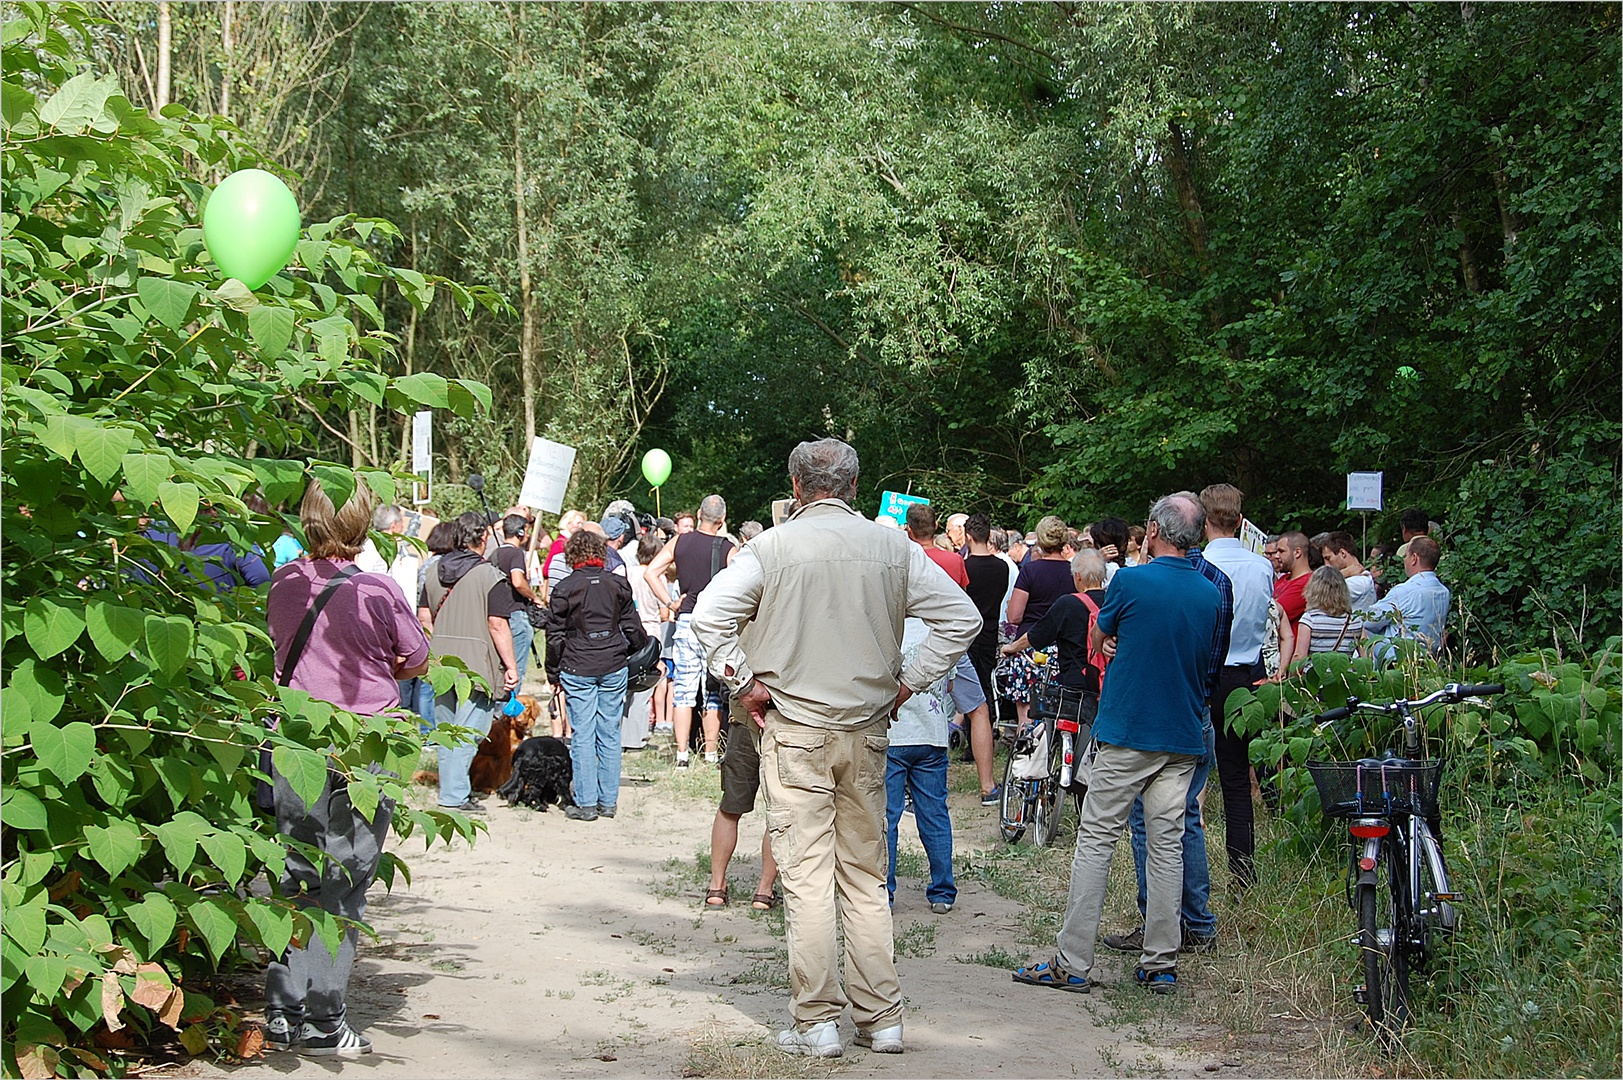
pixel 1121 775
pixel 825 809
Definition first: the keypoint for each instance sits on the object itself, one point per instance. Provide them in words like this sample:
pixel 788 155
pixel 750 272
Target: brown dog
pixel 493 761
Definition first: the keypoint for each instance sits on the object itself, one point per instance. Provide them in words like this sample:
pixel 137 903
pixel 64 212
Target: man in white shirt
pixel 1340 553
pixel 1252 577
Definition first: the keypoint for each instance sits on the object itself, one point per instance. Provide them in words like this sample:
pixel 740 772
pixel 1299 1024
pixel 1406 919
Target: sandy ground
pixel 561 948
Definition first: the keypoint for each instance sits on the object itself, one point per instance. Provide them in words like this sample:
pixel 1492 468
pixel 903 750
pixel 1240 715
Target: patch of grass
pixel 768 972
pixel 684 877
pixel 659 944
pixel 917 940
pixel 995 957
pixel 717 1052
pixel 446 965
pixel 595 978
pixel 911 862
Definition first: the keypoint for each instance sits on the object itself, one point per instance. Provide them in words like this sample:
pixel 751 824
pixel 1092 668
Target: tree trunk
pixel 1468 267
pixel 1194 217
pixel 526 346
pixel 160 96
pixel 356 457
pixel 227 10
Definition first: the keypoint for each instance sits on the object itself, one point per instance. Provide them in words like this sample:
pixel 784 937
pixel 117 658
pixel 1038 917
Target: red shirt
pixel 951 562
pixel 1291 594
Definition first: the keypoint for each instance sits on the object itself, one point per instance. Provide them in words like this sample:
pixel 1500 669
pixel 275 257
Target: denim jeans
pixel 596 704
pixel 476 713
pixel 924 769
pixel 523 635
pixel 1195 909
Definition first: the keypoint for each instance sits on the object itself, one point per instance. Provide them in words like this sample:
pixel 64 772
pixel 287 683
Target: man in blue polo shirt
pixel 1164 616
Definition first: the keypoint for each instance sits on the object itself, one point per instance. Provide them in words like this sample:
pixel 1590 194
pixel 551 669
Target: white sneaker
pixel 882 1040
pixel 343 1041
pixel 819 1040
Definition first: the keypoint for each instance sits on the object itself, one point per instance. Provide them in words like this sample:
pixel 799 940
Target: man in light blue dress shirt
pixel 1418 608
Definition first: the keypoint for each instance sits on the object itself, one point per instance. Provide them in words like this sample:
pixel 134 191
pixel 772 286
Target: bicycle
pixel 1391 807
pixel 1051 736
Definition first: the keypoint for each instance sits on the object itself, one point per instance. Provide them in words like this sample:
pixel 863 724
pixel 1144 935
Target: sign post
pixel 547 476
pixel 422 455
pixel 1364 495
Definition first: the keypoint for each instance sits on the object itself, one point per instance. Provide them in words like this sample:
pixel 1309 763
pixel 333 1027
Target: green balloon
pixel 251 226
pixel 656 467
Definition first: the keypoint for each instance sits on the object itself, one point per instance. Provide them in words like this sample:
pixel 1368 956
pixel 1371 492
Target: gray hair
pixel 712 508
pixel 998 538
pixel 386 517
pixel 826 469
pixel 1181 519
pixel 750 530
pixel 1086 565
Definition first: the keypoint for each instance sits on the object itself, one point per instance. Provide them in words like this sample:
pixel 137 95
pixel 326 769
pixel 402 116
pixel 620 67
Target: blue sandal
pixel 1157 982
pixel 1054 977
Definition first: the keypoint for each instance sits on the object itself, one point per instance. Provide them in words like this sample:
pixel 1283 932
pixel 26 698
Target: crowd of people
pixel 844 657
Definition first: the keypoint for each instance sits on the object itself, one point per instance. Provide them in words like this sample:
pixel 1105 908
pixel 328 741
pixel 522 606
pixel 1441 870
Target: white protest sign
pixel 1364 491
pixel 422 455
pixel 547 476
pixel 1252 538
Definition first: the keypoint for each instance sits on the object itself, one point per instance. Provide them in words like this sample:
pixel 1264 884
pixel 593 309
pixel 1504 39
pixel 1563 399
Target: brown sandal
pixel 766 901
pixel 712 895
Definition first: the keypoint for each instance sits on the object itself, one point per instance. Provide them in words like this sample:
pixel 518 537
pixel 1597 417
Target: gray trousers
pixel 1121 775
pixel 308 983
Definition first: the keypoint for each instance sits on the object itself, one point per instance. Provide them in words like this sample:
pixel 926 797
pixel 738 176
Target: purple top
pixel 349 660
pixel 1044 580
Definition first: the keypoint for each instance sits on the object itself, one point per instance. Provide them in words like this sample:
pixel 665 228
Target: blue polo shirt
pixel 1165 615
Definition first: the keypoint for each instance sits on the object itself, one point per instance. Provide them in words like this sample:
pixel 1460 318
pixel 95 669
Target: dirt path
pixel 561 948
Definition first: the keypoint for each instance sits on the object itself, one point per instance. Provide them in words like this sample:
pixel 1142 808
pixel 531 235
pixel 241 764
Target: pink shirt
pixel 951 562
pixel 349 659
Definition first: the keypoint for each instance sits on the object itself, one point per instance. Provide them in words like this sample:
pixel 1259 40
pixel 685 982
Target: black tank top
pixel 694 556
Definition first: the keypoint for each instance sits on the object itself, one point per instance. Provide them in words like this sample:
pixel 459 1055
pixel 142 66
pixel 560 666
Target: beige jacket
pixel 814 609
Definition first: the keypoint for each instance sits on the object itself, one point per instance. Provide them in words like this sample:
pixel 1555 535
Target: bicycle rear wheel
pixel 1383 952
pixel 1049 810
pixel 1011 808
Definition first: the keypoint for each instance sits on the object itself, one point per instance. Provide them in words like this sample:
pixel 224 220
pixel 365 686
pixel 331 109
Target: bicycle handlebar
pixel 1453 692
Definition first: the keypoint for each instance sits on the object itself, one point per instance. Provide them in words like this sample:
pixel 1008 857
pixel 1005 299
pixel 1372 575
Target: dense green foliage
pixel 138 386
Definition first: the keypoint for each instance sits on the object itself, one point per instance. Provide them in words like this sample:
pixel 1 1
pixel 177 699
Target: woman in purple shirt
pixel 364 639
pixel 1044 578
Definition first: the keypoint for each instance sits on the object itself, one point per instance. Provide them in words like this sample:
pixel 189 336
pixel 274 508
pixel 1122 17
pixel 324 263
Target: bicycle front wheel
pixel 1012 806
pixel 1050 803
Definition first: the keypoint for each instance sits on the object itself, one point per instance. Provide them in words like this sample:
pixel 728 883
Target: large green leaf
pixel 154 916
pixel 179 502
pixel 168 300
pixel 213 920
pixel 227 851
pixel 179 837
pixel 25 917
pixel 271 327
pixel 337 481
pixel 19 809
pixel 143 473
pixel 274 923
pixel 169 641
pixel 304 770
pixel 101 449
pixel 77 103
pixel 114 629
pixel 426 388
pixel 64 750
pixel 40 686
pixel 116 846
pixel 281 480
pixel 46 974
pixel 51 627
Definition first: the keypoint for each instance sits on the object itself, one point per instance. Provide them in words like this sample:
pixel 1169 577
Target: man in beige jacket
pixel 805 625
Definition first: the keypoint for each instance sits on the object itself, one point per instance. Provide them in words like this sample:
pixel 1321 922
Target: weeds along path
pixel 562 948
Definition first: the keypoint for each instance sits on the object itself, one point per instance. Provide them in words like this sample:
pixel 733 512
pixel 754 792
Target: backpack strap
pixel 295 651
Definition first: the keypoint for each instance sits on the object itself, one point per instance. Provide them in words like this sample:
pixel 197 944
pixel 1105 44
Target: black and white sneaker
pixel 343 1041
pixel 280 1033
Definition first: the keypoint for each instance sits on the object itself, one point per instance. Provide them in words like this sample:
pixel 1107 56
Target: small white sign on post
pixel 547 476
pixel 1364 491
pixel 422 455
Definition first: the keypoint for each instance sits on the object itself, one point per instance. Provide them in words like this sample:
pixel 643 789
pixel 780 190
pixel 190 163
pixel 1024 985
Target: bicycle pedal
pixel 1361 995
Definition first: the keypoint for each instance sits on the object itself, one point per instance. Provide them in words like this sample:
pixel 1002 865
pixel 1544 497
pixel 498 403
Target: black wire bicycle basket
pixel 1377 788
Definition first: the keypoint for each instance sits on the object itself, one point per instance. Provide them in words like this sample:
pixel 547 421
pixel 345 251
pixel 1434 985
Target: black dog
pixel 542 775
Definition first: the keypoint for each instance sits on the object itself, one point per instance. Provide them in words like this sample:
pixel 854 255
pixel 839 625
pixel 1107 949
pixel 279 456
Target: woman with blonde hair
pixel 1327 625
pixel 1044 578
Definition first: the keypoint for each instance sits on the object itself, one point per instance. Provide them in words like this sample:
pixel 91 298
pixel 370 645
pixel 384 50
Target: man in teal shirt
pixel 1163 616
pixel 1418 608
